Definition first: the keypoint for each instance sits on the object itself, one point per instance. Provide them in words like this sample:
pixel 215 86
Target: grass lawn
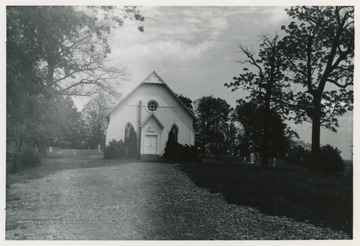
pixel 51 165
pixel 284 190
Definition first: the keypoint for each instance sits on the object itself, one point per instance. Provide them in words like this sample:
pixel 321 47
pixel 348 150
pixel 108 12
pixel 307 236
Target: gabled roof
pixel 153 78
pixel 152 115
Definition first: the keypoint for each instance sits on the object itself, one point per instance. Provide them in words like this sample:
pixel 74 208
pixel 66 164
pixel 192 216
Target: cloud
pixel 188 23
pixel 278 15
pixel 171 50
pixel 218 25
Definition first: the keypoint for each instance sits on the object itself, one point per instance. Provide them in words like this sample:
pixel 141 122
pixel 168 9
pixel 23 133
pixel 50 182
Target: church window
pixel 128 128
pixel 174 132
pixel 152 106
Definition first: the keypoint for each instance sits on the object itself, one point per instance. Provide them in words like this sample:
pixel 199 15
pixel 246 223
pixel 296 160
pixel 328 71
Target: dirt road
pixel 138 201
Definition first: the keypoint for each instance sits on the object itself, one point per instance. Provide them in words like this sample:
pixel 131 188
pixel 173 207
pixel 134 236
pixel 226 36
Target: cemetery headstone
pixel 252 158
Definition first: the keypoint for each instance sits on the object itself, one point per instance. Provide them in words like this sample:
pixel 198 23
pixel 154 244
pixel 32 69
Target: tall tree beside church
pixel 186 101
pixel 249 115
pixel 94 115
pixel 267 84
pixel 212 119
pixel 68 44
pixel 53 52
pixel 319 48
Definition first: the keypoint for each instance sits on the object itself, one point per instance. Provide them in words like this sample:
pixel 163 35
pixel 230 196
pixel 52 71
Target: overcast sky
pixel 195 49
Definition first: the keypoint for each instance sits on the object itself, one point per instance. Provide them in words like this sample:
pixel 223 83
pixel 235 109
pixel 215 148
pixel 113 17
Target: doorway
pixel 151 144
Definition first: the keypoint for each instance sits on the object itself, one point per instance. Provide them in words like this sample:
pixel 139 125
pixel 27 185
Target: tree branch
pixel 340 85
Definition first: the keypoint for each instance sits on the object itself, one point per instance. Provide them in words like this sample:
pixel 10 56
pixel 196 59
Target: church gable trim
pixel 153 78
pixel 147 81
pixel 156 119
pixel 181 103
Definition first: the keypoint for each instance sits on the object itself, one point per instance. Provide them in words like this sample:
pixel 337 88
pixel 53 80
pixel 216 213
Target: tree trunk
pixel 51 68
pixel 265 142
pixel 315 137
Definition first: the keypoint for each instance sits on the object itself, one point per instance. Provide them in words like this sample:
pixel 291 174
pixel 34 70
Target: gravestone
pixel 274 162
pixel 252 158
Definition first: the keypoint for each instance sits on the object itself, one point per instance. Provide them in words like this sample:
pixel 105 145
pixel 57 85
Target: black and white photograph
pixel 222 121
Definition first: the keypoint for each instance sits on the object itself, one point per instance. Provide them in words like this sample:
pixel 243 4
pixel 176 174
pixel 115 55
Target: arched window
pixel 128 129
pixel 174 131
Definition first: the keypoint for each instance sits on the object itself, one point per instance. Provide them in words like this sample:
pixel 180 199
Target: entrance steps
pixel 149 157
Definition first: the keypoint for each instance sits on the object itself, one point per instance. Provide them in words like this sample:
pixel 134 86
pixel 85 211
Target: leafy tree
pixel 319 49
pixel 249 115
pixel 212 123
pixel 231 135
pixel 69 45
pixel 268 87
pixel 48 121
pixel 94 115
pixel 186 101
pixel 54 52
pixel 55 122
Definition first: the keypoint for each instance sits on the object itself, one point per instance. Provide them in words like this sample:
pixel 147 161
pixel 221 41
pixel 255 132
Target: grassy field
pixel 284 190
pixel 56 163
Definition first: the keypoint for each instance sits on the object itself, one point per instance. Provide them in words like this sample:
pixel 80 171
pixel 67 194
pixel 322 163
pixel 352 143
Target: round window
pixel 152 105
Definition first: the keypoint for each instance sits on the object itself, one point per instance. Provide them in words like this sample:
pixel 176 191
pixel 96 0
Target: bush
pixel 177 152
pixel 188 153
pixel 172 149
pixel 330 160
pixel 11 158
pixel 298 155
pixel 131 145
pixel 115 149
pixel 17 160
pixel 31 158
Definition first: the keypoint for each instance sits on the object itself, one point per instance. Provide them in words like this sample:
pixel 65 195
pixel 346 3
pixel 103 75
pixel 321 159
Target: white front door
pixel 151 144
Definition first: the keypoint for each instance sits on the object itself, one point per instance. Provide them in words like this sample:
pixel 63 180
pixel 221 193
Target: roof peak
pixel 153 78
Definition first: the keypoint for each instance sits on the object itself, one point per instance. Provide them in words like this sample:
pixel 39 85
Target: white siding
pixel 170 111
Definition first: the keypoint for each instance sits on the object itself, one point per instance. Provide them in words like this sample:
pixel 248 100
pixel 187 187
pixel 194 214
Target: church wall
pixel 169 112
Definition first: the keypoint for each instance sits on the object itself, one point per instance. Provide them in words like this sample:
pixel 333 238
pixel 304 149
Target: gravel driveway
pixel 138 201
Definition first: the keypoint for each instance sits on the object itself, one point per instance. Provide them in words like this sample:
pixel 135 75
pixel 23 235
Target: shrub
pixel 330 160
pixel 115 149
pixel 188 153
pixel 131 145
pixel 177 152
pixel 11 158
pixel 298 155
pixel 172 149
pixel 31 157
pixel 18 159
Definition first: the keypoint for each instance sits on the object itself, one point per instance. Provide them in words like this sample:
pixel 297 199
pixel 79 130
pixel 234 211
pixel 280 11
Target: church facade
pixel 153 111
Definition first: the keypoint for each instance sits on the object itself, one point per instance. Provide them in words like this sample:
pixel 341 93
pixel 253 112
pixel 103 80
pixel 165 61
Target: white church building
pixel 152 110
